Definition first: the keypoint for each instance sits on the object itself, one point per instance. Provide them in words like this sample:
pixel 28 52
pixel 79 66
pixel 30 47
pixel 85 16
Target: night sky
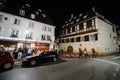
pixel 60 11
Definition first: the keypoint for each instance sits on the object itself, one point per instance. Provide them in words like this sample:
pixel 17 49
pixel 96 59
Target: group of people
pixel 84 53
pixel 22 52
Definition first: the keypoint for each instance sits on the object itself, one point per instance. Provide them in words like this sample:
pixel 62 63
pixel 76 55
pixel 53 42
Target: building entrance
pixel 70 49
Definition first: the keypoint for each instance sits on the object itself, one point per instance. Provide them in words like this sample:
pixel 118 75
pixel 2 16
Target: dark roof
pixel 85 15
pixel 42 17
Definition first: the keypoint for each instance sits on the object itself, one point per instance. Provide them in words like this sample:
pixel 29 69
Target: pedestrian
pixel 85 52
pixel 19 55
pixel 80 53
pixel 61 52
pixel 94 53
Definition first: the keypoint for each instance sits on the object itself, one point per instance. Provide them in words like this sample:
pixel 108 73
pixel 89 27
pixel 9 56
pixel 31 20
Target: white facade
pixel 13 28
pixel 104 30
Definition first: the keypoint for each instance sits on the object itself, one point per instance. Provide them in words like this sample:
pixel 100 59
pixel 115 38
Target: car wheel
pixel 7 66
pixel 54 59
pixel 33 63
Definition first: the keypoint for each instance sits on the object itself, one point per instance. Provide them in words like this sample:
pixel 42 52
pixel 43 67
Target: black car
pixel 40 57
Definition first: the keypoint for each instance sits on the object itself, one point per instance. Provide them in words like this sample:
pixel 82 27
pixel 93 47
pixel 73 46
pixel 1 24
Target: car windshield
pixel 38 53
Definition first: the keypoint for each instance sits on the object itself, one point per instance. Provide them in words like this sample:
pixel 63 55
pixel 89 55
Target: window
pixel 81 26
pixel 70 29
pixel 93 22
pixel 17 21
pixel 63 41
pixel 89 23
pixel 84 24
pixel 1 17
pixel 32 16
pixel 22 12
pixel 14 33
pixel 73 29
pixel 2 54
pixel 72 39
pixel 48 38
pixel 49 29
pixel 67 40
pixel 44 28
pixel 66 31
pixel 86 38
pixel 82 38
pixel 29 35
pixel 0 29
pixel 114 29
pixel 77 39
pixel 93 37
pixel 31 25
pixel 43 37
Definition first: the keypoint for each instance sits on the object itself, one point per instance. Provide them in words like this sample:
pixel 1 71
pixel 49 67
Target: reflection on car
pixel 6 60
pixel 40 57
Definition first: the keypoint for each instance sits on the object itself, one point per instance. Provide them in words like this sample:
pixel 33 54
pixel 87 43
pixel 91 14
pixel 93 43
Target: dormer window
pixel 33 16
pixel 22 12
pixel 84 16
pixel 77 20
pixel 80 15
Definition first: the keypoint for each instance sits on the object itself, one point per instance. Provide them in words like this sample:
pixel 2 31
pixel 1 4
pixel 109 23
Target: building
pixel 21 31
pixel 89 30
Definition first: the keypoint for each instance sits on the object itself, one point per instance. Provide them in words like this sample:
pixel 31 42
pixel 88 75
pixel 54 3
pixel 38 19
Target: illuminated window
pixel 70 29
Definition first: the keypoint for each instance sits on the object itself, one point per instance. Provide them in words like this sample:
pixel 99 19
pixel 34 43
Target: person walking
pixel 85 52
pixel 94 53
pixel 80 53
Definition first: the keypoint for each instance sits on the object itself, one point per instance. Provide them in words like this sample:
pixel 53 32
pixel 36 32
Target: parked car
pixel 40 57
pixel 6 60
